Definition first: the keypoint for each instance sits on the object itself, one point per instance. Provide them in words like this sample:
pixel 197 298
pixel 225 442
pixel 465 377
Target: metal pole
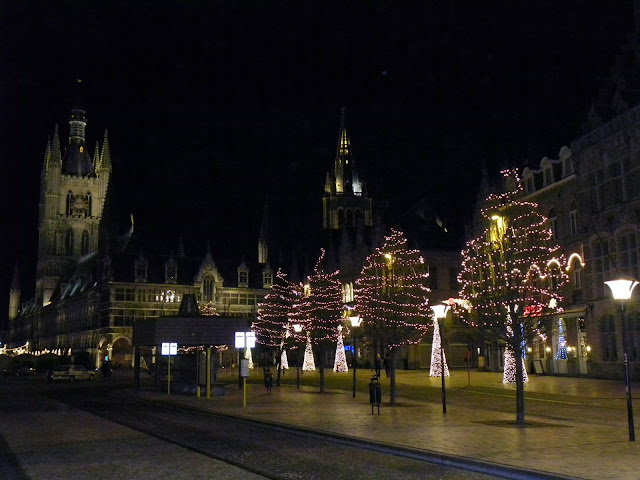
pixel 444 392
pixel 298 370
pixel 355 364
pixel 627 379
pixel 169 374
pixel 208 372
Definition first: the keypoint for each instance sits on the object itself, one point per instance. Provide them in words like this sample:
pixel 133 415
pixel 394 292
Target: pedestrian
pixel 268 381
pixel 386 365
pixel 378 365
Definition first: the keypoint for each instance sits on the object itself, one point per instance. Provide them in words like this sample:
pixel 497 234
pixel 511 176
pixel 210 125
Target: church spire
pixel 263 246
pixel 56 157
pixel 105 158
pixel 14 294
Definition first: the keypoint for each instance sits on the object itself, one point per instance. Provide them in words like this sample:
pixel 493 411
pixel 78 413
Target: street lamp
pixel 355 322
pixel 440 312
pixel 297 328
pixel 621 290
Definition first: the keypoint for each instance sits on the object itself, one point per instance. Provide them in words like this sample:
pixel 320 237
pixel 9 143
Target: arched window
pixel 85 243
pixel 573 218
pixel 68 244
pixel 89 205
pixel 69 202
pixel 207 288
pixel 57 243
pixel 633 333
pixel 608 338
pixel 553 223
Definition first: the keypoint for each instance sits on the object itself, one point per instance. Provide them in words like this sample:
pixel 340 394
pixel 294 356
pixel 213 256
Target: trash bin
pixel 375 393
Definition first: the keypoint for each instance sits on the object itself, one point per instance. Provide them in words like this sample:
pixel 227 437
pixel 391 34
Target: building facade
pixel 91 286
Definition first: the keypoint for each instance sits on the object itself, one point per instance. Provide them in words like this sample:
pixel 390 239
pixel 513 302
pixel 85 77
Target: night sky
pixel 213 106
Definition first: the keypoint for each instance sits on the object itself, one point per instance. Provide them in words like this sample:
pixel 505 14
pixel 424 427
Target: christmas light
pixel 436 366
pixel 391 293
pixel 340 362
pixel 308 365
pixel 561 354
pixel 509 374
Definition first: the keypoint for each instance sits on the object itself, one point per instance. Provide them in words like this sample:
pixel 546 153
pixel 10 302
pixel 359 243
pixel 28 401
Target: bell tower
pixel 345 202
pixel 73 188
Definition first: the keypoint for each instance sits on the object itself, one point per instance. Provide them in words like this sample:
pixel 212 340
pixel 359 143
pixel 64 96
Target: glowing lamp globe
pixel 355 321
pixel 440 310
pixel 621 289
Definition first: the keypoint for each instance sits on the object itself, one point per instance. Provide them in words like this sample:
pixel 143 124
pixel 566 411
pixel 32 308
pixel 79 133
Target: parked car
pixel 71 373
pixel 11 371
pixel 27 370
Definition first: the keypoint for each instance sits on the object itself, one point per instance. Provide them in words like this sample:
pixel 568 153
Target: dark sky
pixel 212 106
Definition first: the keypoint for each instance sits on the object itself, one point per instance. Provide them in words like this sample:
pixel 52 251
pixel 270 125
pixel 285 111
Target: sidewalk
pixel 574 445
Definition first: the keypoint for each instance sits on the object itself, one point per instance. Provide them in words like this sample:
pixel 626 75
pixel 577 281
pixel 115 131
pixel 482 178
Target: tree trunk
pixel 392 376
pixel 321 361
pixel 519 384
pixel 279 365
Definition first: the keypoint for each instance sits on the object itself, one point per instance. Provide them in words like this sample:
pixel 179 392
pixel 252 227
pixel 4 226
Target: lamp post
pixel 440 312
pixel 297 328
pixel 621 291
pixel 355 323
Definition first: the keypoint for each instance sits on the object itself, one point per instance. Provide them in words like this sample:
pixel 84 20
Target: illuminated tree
pixel 391 297
pixel 511 275
pixel 322 312
pixel 436 366
pixel 272 322
pixel 308 365
pixel 340 363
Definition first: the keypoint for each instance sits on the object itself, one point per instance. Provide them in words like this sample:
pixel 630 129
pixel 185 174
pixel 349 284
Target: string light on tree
pixel 436 365
pixel 308 365
pixel 322 311
pixel 392 297
pixel 512 275
pixel 340 362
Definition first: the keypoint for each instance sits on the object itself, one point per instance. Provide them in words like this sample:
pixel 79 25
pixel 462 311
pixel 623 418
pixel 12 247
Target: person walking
pixel 378 365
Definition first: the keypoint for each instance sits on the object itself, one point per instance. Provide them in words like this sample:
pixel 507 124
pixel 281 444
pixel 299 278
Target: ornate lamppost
pixel 621 290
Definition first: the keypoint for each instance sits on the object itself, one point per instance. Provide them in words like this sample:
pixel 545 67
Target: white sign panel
pixel 169 349
pixel 245 340
pixel 251 339
pixel 239 339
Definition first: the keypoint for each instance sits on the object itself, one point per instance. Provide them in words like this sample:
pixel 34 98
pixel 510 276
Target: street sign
pixel 169 349
pixel 245 340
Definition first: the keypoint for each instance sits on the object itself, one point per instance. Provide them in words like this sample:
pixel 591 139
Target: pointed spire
pixel 56 157
pixel 47 156
pixel 343 168
pixel 263 246
pixel 96 157
pixel 105 158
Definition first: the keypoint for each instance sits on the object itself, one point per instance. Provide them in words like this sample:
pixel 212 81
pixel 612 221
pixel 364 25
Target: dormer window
pixel 243 275
pixel 548 176
pixel 171 271
pixel 141 266
pixel 528 186
pixel 267 277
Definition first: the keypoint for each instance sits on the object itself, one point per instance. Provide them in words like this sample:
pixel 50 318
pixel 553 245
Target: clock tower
pixel 73 187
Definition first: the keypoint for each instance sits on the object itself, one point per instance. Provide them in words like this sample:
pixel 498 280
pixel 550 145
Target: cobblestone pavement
pixel 579 428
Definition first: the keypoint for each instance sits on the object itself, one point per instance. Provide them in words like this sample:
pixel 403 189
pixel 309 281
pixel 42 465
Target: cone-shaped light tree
pixel 436 362
pixel 322 310
pixel 392 298
pixel 272 322
pixel 511 274
pixel 340 362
